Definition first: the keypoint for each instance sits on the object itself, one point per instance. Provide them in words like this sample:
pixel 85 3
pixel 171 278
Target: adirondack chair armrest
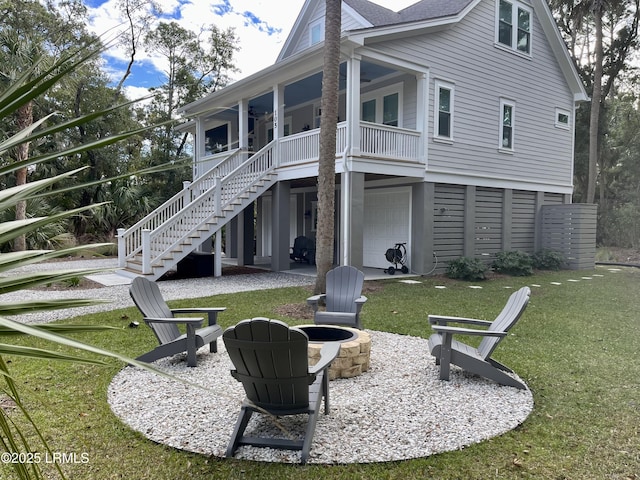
pixel 328 353
pixel 212 312
pixel 314 301
pixel 443 320
pixel 467 331
pixel 360 302
pixel 195 321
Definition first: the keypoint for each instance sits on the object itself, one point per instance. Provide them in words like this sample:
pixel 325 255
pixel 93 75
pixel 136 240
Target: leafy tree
pixel 195 65
pixel 27 88
pixel 325 233
pixel 602 36
pixel 139 16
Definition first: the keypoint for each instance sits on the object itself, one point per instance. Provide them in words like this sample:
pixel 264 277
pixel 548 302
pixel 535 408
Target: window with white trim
pixel 563 118
pixel 507 125
pixel 443 120
pixel 383 106
pixel 514 26
pixel 316 32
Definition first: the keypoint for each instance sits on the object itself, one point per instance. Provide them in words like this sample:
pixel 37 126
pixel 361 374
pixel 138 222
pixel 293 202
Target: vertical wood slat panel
pixel 571 230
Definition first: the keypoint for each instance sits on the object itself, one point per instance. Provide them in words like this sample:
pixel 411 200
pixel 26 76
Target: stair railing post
pixel 146 251
pixel 122 254
pixel 186 193
pixel 217 196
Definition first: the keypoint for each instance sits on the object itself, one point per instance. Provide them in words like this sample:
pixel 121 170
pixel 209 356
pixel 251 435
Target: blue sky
pixel 262 27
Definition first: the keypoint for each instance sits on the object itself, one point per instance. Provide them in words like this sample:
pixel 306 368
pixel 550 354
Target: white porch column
pixel 243 123
pixel 353 105
pixel 422 119
pixel 199 148
pixel 278 111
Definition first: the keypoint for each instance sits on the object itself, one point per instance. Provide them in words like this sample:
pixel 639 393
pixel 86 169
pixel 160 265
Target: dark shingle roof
pixel 422 10
pixel 377 15
pixel 430 9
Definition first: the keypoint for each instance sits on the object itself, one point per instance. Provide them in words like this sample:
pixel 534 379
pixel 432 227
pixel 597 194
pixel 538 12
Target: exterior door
pixel 387 221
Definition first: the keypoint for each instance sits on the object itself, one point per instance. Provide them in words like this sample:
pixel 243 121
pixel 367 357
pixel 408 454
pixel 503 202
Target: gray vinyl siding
pixel 348 23
pixel 482 74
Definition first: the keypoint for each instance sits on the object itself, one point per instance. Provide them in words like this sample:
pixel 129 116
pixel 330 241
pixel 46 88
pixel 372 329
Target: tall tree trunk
pixel 325 232
pixel 24 120
pixel 596 98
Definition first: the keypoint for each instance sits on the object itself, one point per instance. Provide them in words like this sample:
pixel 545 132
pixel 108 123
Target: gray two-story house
pixel 455 127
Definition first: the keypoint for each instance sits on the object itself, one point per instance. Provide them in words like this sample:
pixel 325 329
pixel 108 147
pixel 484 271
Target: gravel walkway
pixel 397 410
pixel 117 296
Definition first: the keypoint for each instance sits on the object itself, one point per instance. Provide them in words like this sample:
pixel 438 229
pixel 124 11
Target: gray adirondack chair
pixel 477 360
pixel 271 361
pixel 343 299
pixel 162 320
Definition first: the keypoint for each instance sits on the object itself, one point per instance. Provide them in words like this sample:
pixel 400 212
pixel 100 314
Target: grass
pixel 576 346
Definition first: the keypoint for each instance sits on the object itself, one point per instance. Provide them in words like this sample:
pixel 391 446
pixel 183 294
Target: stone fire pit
pixel 355 348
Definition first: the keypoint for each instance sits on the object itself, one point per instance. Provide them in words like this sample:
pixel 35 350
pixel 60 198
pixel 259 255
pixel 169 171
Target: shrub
pixel 548 259
pixel 518 264
pixel 465 268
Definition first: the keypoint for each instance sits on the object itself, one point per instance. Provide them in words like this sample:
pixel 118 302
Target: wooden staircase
pixel 156 244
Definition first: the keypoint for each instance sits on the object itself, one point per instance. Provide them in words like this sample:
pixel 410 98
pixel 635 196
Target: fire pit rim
pixel 345 334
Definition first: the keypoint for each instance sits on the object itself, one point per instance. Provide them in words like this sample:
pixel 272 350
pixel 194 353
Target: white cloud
pixel 262 27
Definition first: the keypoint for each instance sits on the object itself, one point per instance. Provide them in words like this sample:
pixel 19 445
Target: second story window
pixel 563 118
pixel 316 32
pixel 444 111
pixel 383 106
pixel 514 26
pixel 507 125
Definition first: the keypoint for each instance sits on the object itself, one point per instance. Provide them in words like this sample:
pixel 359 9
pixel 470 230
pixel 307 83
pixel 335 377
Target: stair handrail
pixel 130 240
pixel 210 203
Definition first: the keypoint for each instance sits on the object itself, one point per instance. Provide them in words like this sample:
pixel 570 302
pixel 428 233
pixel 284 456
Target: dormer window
pixel 316 32
pixel 514 26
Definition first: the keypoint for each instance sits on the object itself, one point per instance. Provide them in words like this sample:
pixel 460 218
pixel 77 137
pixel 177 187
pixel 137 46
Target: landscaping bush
pixel 465 268
pixel 547 259
pixel 518 264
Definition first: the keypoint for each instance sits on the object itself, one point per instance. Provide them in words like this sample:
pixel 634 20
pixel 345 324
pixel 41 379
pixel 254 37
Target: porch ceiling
pixel 309 88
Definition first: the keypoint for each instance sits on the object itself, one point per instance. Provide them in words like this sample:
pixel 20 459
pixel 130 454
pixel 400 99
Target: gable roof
pixel 430 9
pixel 379 23
pixel 376 14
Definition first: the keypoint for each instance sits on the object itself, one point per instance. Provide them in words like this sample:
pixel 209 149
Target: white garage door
pixel 387 221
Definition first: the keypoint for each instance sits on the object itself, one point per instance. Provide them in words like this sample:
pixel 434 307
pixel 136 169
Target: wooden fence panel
pixel 448 224
pixel 571 230
pixel 523 221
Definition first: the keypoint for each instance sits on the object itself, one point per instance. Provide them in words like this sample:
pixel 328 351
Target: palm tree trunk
pixel 325 233
pixel 24 120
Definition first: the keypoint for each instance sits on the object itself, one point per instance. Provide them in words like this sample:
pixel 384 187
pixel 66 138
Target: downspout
pixel 346 210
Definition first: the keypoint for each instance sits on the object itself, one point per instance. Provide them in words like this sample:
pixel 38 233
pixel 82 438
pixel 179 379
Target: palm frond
pixel 11 260
pixel 21 308
pixel 43 354
pixel 34 279
pixel 11 230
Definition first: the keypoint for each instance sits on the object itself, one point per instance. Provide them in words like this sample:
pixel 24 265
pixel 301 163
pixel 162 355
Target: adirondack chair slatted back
pixel 505 320
pixel 147 297
pixel 270 360
pixel 344 285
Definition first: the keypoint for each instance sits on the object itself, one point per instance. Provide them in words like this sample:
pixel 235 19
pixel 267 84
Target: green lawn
pixel 577 347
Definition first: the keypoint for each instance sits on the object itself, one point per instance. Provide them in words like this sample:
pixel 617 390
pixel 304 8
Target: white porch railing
pixel 376 140
pixel 210 205
pixel 130 241
pixel 234 178
pixel 389 142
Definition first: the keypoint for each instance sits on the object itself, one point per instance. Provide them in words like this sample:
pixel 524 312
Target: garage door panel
pixel 387 221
